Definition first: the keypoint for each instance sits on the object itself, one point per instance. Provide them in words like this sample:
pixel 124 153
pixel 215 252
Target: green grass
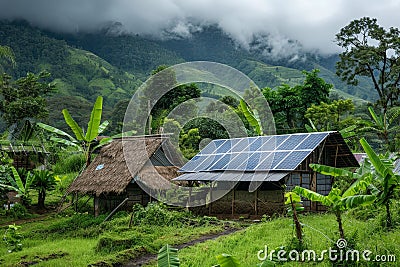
pixel 245 244
pixel 81 239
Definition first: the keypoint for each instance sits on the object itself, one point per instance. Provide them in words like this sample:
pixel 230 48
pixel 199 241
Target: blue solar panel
pixel 278 157
pixel 238 162
pixel 241 145
pixel 209 149
pixel 292 142
pixel 255 144
pixel 222 162
pixel 268 144
pixel 253 161
pixel 210 160
pixel 225 147
pixel 312 141
pixel 280 152
pixel 296 157
pixel 266 161
pixel 193 163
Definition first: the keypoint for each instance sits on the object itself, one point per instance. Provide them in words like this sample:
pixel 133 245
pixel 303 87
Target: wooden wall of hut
pixel 239 202
pixel 135 195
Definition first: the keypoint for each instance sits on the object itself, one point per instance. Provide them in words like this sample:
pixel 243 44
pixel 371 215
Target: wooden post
pixel 314 188
pixel 233 201
pixel 96 206
pixel 256 201
pixel 115 210
pixel 337 151
pixel 209 204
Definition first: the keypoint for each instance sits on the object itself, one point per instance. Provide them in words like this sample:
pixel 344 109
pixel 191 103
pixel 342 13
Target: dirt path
pixel 34 219
pixel 146 258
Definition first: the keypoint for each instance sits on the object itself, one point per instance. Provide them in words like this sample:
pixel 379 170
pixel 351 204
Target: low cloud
pixel 312 23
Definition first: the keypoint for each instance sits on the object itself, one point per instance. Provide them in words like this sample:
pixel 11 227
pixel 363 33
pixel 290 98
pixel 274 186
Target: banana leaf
pixel 73 125
pixel 311 195
pixel 103 126
pixel 55 130
pixel 253 120
pixel 358 200
pixel 225 260
pixel 66 142
pixel 332 171
pixel 168 257
pixel 95 118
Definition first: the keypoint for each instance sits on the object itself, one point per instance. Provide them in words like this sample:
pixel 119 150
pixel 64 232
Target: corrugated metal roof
pixel 232 176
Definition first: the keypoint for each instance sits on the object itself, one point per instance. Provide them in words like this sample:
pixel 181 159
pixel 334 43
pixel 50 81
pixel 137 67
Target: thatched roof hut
pixel 111 175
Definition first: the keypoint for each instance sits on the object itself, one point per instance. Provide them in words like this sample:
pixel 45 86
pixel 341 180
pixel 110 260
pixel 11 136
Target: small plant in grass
pixel 13 238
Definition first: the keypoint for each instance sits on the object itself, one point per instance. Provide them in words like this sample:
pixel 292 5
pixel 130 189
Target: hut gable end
pixel 108 172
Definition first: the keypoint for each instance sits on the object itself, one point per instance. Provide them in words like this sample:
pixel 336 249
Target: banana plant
pixel 84 142
pixel 385 180
pixel 16 184
pixel 337 200
pixel 252 118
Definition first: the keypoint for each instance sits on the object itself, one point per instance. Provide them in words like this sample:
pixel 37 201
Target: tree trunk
pixel 88 156
pixel 388 216
pixel 41 198
pixel 340 225
pixel 297 224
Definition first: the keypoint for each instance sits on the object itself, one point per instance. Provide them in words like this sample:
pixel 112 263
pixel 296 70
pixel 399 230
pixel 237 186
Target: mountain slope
pixel 80 76
pixel 84 66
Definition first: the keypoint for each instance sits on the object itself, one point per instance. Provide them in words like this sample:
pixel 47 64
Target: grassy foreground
pixel 320 233
pixel 81 240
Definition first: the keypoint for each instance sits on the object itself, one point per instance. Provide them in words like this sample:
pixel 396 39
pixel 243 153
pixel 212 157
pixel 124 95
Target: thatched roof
pixel 110 173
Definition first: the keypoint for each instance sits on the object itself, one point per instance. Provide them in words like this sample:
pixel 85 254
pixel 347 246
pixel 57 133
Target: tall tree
pixel 289 104
pixel 373 52
pixel 7 54
pixel 24 98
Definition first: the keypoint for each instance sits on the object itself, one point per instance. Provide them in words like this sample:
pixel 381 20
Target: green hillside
pixel 80 76
pixel 84 66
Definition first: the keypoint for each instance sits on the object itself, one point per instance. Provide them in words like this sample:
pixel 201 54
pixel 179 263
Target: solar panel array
pixel 261 153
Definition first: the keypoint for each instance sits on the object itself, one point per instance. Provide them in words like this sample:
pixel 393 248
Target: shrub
pixel 12 238
pixel 18 211
pixel 159 214
pixel 117 242
pixel 72 163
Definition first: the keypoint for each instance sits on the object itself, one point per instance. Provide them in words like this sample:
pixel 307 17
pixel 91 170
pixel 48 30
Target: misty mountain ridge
pixel 113 63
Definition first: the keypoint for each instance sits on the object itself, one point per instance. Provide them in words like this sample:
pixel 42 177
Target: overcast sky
pixel 312 22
